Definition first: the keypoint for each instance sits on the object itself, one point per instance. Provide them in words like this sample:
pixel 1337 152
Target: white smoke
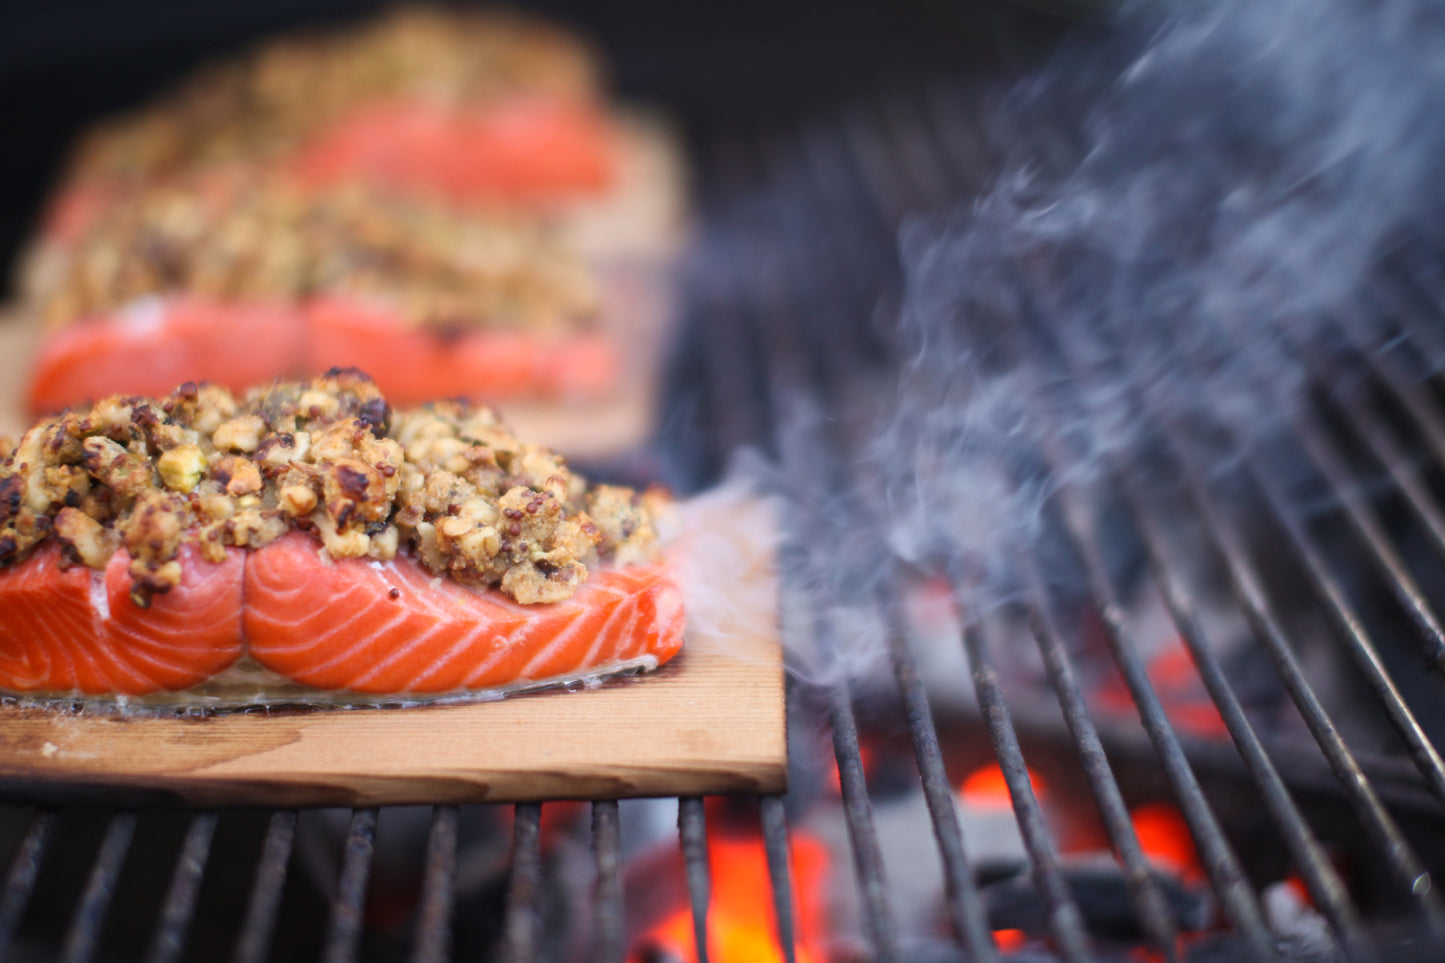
pixel 1239 179
pixel 1240 172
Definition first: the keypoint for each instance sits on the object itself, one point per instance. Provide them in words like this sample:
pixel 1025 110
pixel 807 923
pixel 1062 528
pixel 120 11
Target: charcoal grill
pixel 791 294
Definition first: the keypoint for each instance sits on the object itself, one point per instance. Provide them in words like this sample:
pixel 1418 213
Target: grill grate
pixel 796 277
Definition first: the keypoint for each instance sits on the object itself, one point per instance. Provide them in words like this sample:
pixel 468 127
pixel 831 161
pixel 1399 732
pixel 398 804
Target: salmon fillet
pixel 412 365
pixel 394 627
pixel 333 626
pixel 158 343
pixel 524 148
pixel 77 630
pixel 153 346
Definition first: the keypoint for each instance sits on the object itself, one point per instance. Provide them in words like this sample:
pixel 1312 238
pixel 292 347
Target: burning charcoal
pixel 1097 885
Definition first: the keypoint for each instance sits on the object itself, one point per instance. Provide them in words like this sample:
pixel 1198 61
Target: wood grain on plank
pixel 711 721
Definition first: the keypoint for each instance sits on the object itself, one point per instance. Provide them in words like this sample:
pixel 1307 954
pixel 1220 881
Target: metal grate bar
pixel 20 882
pixel 692 832
pixel 1220 862
pixel 1156 916
pixel 811 345
pixel 524 895
pixel 1249 592
pixel 609 922
pixel 857 807
pixel 83 937
pixel 1324 884
pixel 930 183
pixel 1398 380
pixel 185 889
pixel 774 818
pixel 1401 583
pixel 343 928
pixel 965 907
pixel 1366 654
pixel 259 922
pixel 1377 820
pixel 1240 903
pixel 1368 424
pixel 432 943
pixel 1065 920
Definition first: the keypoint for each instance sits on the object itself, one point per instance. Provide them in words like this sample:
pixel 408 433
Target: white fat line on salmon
pixel 99 600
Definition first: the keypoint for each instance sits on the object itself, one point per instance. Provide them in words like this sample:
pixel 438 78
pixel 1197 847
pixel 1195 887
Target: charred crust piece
pixel 447 482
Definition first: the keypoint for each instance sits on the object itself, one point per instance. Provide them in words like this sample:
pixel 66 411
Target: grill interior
pixel 1320 544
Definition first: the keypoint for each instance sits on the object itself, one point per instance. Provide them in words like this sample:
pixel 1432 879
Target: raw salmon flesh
pixel 352 625
pixel 150 347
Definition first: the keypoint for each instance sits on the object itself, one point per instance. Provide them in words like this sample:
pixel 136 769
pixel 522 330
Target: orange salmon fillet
pixel 394 627
pixel 156 344
pixel 412 366
pixel 524 148
pixel 329 626
pixel 78 630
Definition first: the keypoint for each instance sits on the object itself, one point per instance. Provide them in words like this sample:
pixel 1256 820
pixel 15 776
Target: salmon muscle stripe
pixel 394 628
pixel 77 630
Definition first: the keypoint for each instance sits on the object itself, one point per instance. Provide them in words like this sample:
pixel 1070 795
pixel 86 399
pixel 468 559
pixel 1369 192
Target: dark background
pixel 64 64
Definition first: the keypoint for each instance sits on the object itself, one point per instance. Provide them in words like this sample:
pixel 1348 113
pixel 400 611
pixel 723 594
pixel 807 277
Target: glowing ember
pixel 866 755
pixel 1008 941
pixel 986 786
pixel 1297 885
pixel 741 924
pixel 1177 684
pixel 1164 836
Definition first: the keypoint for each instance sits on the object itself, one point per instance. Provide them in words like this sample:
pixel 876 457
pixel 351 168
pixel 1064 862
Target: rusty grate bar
pixel 83 935
pixel 858 811
pixel 1156 916
pixel 692 836
pixel 259 926
pixel 608 916
pixel 20 883
pixel 432 943
pixel 774 818
pixel 965 907
pixel 523 927
pixel 343 928
pixel 180 903
pixel 1065 919
pixel 1325 885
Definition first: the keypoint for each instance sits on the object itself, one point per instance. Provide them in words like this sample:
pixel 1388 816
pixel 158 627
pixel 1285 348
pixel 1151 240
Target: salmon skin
pixel 157 343
pixel 351 626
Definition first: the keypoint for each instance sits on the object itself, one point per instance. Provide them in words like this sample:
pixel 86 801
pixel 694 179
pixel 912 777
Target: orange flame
pixel 742 927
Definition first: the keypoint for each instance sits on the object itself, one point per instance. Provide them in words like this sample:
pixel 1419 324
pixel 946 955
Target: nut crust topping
pixel 447 481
